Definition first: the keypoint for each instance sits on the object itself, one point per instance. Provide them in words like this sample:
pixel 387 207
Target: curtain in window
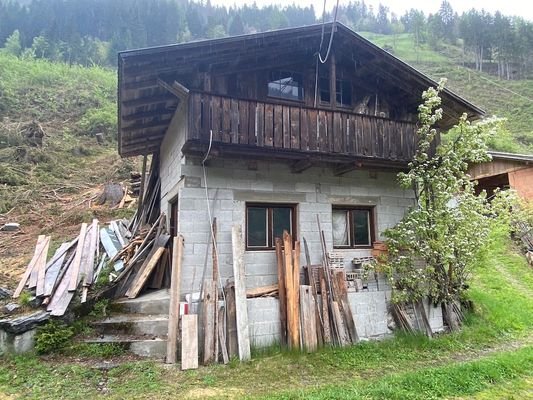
pixel 340 228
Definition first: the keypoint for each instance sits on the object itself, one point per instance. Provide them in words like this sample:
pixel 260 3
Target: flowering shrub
pixel 432 248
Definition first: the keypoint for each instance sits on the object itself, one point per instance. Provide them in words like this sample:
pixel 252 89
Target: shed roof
pixel 145 107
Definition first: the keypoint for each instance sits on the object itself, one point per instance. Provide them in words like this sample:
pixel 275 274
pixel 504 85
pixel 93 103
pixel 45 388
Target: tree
pixel 13 45
pixel 236 27
pixel 432 249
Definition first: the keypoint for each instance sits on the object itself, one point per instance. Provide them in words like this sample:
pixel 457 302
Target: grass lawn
pixel 486 360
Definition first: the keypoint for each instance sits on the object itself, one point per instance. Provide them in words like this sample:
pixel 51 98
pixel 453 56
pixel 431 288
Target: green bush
pixel 52 337
pixel 100 120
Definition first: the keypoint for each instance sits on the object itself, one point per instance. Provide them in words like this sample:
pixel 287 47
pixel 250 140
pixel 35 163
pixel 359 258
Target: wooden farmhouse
pixel 505 171
pixel 255 131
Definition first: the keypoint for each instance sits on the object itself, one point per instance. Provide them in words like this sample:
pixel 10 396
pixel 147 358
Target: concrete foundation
pixel 17 343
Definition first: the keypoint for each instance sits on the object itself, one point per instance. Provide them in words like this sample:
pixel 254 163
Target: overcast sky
pixel 523 8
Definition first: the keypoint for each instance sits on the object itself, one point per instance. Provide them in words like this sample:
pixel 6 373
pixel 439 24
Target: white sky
pixel 522 8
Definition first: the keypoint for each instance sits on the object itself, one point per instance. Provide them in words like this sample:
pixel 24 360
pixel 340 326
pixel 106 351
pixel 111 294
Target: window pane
pixel 343 92
pixel 281 221
pixel 286 85
pixel 340 228
pixel 361 224
pixel 256 230
pixel 324 90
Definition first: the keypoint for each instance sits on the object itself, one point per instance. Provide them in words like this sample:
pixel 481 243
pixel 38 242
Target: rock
pixel 35 302
pixel 10 227
pixel 5 293
pixel 24 323
pixel 11 307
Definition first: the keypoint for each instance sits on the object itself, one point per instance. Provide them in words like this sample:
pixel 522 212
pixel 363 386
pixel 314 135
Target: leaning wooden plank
pixel 281 291
pixel 52 270
pixel 296 284
pixel 208 321
pixel 111 246
pixel 174 312
pixel 269 290
pixel 114 227
pixel 58 254
pixel 29 268
pixel 62 296
pixel 93 248
pixel 40 266
pixel 342 291
pixel 344 337
pixel 324 304
pixel 141 278
pixel 293 320
pixel 75 267
pixel 32 282
pixel 308 318
pixel 189 341
pixel 222 335
pixel 243 334
pixel 85 252
pixel 231 321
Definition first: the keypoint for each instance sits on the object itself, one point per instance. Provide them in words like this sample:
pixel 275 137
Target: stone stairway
pixel 138 325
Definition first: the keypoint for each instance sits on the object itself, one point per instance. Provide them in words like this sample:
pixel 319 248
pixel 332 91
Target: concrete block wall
pixel 233 183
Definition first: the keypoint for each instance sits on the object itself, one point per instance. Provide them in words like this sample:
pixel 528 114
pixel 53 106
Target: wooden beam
pixel 347 167
pixel 145 101
pixel 75 267
pixel 243 334
pixel 149 114
pixel 301 165
pixel 332 80
pixel 154 124
pixel 174 314
pixel 281 291
pixel 146 83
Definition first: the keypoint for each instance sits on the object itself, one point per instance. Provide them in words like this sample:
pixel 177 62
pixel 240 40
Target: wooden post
pixel 141 189
pixel 231 321
pixel 215 281
pixel 174 312
pixel 293 320
pixel 189 341
pixel 208 321
pixel 325 313
pixel 243 334
pixel 308 317
pixel 281 292
pixel 332 80
pixel 296 288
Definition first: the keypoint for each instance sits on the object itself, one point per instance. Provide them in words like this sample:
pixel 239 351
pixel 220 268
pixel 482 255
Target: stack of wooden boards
pixel 131 262
pixel 316 312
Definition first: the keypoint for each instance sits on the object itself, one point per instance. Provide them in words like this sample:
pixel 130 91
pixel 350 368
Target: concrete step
pixel 156 302
pixel 133 324
pixel 144 346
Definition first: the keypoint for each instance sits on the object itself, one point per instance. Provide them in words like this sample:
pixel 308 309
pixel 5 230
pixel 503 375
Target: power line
pixel 507 89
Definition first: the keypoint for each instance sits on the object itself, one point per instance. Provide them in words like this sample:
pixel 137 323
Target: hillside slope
pixel 51 188
pixel 512 100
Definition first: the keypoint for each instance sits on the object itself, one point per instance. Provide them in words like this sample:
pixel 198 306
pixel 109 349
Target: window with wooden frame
pixel 286 85
pixel 343 92
pixel 353 227
pixel 265 222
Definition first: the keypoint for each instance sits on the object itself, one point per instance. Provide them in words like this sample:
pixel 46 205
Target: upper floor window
pixel 343 92
pixel 352 227
pixel 286 85
pixel 265 222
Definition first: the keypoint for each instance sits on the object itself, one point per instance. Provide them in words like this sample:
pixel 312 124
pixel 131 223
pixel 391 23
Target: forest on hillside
pixel 91 32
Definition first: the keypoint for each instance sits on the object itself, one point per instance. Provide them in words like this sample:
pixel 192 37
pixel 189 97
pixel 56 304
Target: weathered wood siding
pixel 298 128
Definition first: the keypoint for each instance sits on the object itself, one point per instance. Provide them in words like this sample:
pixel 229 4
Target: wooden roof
pixel 146 104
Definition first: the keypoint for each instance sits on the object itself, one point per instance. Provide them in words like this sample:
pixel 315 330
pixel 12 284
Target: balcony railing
pixel 298 128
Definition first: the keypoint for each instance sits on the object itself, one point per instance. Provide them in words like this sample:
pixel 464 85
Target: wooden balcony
pixel 258 128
